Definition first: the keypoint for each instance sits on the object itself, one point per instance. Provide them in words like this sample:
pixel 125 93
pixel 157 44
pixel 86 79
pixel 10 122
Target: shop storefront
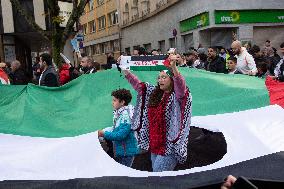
pixel 260 25
pixel 255 26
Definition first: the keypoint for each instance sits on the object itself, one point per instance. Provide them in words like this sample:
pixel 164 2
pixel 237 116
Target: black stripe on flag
pixel 265 172
pixel 149 58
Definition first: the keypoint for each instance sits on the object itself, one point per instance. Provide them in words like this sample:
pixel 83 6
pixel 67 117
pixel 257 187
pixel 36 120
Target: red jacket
pixel 64 74
pixel 4 77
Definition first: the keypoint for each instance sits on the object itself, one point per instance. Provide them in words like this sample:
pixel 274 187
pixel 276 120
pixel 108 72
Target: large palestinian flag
pixel 48 135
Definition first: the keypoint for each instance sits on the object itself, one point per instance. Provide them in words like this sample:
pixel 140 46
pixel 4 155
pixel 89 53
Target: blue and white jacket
pixel 124 140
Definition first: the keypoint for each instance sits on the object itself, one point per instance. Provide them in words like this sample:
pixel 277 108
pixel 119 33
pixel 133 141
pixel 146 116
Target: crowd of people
pixel 46 73
pixel 256 61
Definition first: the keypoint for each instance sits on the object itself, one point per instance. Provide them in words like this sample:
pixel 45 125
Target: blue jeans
pixel 163 163
pixel 125 160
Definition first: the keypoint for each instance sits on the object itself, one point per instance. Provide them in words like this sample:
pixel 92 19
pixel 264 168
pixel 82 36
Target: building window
pixel 116 46
pixel 84 29
pixel 147 47
pixel 88 51
pixel 97 49
pixel 110 46
pixel 102 48
pixel 92 27
pixel 172 42
pixel 100 2
pixel 93 49
pixel 102 22
pixel 126 14
pixel 145 8
pixel 127 50
pixel 113 18
pixel 91 5
pixel 135 3
pixel 126 7
pixel 162 46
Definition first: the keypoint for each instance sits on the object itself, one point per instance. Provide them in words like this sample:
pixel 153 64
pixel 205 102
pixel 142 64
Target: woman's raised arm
pixel 131 78
pixel 179 82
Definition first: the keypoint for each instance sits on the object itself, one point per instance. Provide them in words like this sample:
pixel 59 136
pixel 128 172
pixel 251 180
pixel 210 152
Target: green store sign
pixel 249 16
pixel 194 22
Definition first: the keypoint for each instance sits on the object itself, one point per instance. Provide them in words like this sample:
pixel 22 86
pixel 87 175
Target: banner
pixel 194 22
pixel 65 11
pixel 248 16
pixel 143 63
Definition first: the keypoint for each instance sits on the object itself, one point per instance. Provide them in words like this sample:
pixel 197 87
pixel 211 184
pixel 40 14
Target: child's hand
pixel 101 133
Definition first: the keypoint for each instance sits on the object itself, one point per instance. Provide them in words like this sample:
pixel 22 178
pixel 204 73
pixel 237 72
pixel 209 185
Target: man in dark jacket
pixel 49 76
pixel 18 75
pixel 215 62
pixel 279 70
pixel 110 61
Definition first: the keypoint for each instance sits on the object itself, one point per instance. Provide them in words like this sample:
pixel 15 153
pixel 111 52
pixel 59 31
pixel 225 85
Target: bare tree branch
pixel 16 4
pixel 74 17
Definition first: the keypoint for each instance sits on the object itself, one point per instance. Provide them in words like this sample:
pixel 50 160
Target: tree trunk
pixel 57 48
pixel 56 41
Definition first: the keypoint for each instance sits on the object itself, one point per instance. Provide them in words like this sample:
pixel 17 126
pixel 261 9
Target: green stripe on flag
pixel 84 105
pixel 148 68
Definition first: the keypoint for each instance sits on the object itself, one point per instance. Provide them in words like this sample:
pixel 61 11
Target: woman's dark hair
pixel 157 95
pixel 122 94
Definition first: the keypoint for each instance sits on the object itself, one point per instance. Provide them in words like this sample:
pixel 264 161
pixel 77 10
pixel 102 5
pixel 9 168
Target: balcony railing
pixel 125 21
pixel 145 12
pixel 135 16
pixel 161 3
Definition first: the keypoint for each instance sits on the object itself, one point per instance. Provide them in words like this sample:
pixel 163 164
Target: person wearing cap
pixel 4 79
pixel 162 117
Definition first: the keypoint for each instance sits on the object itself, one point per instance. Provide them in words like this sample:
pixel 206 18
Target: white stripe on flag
pixel 249 134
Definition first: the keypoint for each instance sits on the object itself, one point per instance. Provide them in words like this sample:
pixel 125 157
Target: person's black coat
pixel 217 65
pixel 272 62
pixel 49 78
pixel 281 76
pixel 19 77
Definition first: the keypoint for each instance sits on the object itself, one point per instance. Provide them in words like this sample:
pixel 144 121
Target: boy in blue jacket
pixel 123 138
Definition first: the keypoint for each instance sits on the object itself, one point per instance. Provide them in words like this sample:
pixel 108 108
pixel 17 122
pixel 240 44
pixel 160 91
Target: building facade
pixel 183 24
pixel 18 40
pixel 137 19
pixel 101 30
